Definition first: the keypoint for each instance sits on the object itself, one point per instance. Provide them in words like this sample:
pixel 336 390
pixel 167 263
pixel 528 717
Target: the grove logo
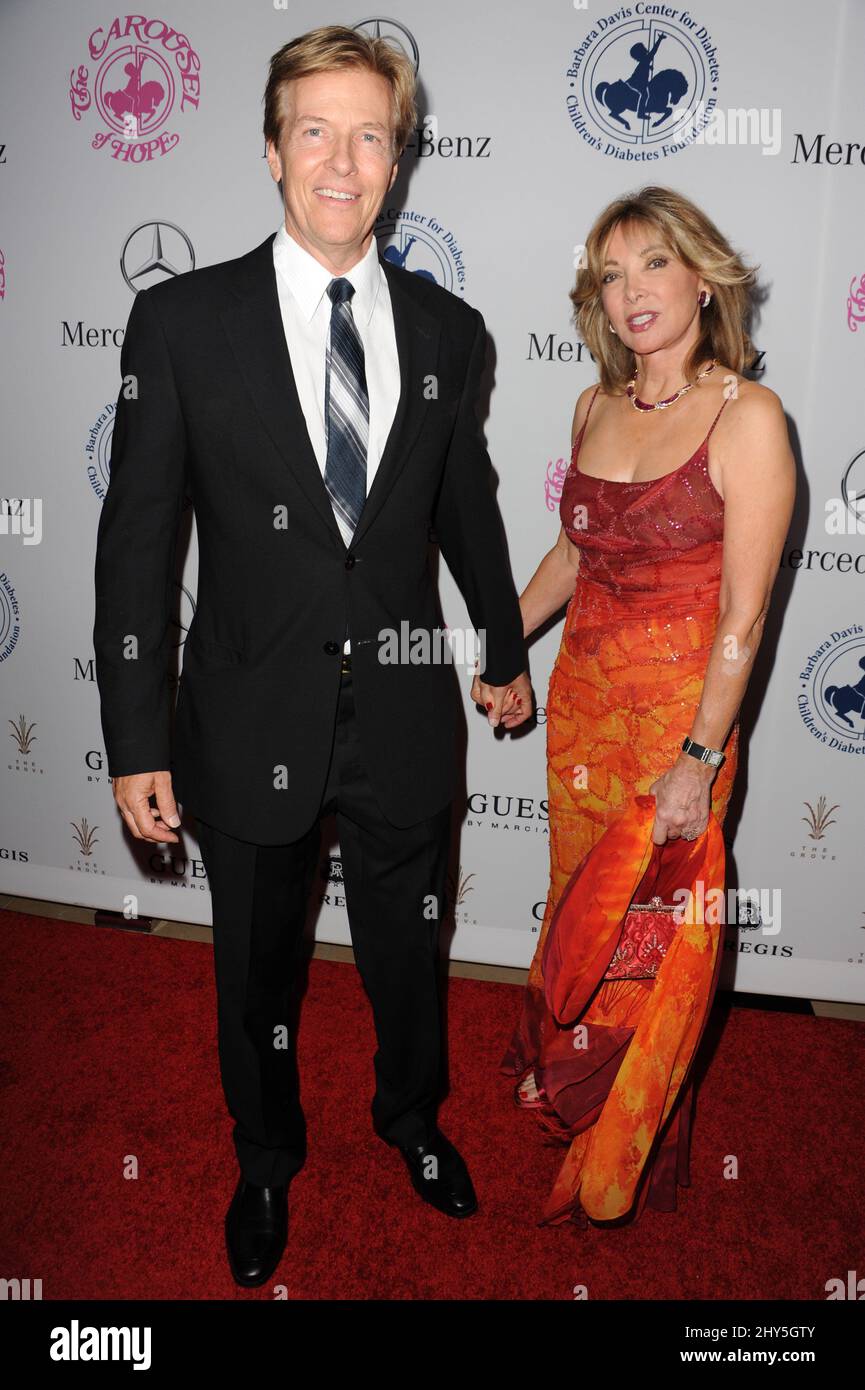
pixel 23 734
pixel 146 70
pixel 456 890
pixel 639 90
pixel 86 836
pixel 818 847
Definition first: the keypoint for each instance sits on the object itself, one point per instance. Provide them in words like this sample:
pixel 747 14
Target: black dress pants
pixel 394 881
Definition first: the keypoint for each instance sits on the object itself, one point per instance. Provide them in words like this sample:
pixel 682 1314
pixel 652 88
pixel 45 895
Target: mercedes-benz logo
pixel 155 251
pixel 382 27
pixel 853 487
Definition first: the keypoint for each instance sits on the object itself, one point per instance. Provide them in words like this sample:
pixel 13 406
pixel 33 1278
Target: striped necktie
pixel 346 409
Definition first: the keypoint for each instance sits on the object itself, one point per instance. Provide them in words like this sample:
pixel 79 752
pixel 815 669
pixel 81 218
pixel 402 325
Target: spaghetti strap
pixel 591 403
pixel 714 422
pixel 589 411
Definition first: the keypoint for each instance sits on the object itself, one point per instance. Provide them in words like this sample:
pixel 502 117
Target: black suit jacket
pixel 217 416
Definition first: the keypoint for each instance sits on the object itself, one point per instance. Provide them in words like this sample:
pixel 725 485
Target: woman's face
pixel 649 296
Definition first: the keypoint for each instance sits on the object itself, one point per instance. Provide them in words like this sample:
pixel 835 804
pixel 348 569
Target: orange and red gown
pixel 623 694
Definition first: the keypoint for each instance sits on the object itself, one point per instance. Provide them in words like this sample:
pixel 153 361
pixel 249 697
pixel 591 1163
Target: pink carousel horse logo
pixel 147 72
pixel 138 100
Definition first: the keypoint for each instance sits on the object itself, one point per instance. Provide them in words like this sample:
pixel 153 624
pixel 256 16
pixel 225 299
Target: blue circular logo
pixel 639 89
pixel 832 691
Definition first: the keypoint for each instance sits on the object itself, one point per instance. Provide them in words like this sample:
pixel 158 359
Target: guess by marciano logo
pixel 507 812
pixel 146 71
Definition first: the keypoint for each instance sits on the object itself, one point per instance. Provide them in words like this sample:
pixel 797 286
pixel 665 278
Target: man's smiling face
pixel 336 161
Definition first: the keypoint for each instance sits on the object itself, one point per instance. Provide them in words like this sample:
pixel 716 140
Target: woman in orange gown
pixel 671 581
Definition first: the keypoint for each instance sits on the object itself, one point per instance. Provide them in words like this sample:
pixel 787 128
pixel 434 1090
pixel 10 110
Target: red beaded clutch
pixel 647 931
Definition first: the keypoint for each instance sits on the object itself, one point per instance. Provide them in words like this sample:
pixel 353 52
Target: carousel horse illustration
pixel 397 257
pixel 640 93
pixel 847 699
pixel 135 99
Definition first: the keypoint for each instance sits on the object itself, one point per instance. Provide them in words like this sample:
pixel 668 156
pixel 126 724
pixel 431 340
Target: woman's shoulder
pixel 582 408
pixel 753 398
pixel 755 411
pixel 753 426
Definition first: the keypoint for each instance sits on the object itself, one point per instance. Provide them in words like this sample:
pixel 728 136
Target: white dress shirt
pixel 301 283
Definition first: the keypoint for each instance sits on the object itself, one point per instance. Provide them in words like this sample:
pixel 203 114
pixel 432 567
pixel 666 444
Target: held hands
pixel 508 705
pixel 133 794
pixel 682 800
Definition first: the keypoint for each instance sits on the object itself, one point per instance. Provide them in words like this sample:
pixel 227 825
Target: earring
pixel 612 329
pixel 705 298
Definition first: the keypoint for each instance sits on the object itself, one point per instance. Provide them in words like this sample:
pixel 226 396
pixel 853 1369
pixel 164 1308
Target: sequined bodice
pixel 651 543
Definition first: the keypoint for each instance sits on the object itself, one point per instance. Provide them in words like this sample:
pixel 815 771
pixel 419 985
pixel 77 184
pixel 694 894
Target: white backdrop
pixel 518 154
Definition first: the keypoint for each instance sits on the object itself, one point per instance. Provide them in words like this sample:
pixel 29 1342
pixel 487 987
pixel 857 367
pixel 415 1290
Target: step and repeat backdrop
pixel 131 149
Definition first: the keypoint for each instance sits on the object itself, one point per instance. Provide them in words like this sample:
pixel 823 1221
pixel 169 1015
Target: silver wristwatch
pixel 705 755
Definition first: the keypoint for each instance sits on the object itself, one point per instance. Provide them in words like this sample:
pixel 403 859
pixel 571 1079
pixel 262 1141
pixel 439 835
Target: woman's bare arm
pixel 758 473
pixel 552 584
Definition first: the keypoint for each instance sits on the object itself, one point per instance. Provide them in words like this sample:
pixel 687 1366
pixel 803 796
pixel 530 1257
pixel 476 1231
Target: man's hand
pixel 133 794
pixel 509 705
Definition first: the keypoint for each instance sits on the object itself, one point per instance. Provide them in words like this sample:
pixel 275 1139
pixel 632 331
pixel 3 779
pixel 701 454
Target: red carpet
pixel 110 1050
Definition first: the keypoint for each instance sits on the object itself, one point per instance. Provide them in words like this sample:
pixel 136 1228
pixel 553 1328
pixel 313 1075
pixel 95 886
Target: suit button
pixel 349 562
pixel 331 648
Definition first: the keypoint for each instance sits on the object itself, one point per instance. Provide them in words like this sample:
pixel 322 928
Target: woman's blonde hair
pixel 334 47
pixel 697 242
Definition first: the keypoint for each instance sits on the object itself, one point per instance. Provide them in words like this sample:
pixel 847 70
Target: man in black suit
pixel 317 402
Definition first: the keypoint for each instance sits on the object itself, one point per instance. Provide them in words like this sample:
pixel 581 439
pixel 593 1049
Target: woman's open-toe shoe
pixel 525 1102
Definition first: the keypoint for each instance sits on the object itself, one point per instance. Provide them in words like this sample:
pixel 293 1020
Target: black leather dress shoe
pixel 440 1175
pixel 256 1229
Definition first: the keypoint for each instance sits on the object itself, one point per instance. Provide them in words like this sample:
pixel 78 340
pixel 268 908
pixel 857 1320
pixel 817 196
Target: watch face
pixel 707 755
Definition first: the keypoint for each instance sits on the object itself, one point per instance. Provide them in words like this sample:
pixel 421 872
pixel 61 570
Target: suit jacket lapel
pixel 254 326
